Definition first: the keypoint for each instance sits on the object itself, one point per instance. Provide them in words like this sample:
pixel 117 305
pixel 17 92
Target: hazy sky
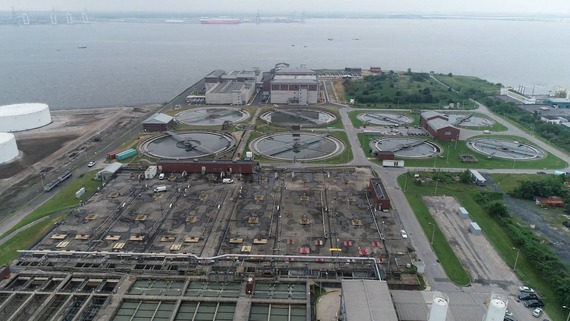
pixel 527 7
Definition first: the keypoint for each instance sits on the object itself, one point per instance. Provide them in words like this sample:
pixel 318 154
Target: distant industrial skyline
pixel 314 7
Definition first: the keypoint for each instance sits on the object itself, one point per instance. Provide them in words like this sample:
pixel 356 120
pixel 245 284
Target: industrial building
pixel 293 86
pixel 437 125
pixel 8 147
pixel 231 88
pixel 159 122
pixel 557 102
pixel 20 117
pixel 379 194
pixel 366 300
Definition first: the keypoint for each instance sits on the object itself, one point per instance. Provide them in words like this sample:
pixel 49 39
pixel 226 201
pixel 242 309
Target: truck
pixel 150 172
pixel 227 181
pixel 160 189
pixel 392 163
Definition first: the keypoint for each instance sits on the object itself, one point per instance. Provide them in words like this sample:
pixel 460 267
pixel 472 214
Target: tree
pixel 497 209
pixel 450 75
pixel 465 177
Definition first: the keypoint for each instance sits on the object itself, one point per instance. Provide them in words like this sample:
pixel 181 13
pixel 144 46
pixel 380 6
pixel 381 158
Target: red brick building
pixel 379 194
pixel 207 166
pixel 437 125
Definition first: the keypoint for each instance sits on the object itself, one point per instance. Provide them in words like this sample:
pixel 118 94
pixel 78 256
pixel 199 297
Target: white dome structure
pixel 8 147
pixel 19 117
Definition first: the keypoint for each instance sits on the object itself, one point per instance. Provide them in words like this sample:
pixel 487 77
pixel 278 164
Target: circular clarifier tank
pixel 211 116
pixel 306 117
pixel 183 145
pixel 297 146
pixel 385 119
pixel 469 120
pixel 406 147
pixel 506 149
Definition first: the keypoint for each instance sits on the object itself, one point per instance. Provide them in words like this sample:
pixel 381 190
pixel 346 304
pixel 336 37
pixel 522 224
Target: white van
pixel 227 181
pixel 159 189
pixel 161 176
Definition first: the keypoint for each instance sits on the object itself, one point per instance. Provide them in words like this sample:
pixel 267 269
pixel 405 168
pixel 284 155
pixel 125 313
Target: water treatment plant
pixel 250 212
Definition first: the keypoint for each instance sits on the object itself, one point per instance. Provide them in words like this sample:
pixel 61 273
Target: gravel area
pixel 478 256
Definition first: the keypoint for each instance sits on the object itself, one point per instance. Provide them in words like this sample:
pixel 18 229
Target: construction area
pixel 191 245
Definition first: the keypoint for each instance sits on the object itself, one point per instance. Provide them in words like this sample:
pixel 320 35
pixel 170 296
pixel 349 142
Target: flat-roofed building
pixel 366 300
pixel 294 86
pixel 230 92
pixel 213 78
pixel 379 194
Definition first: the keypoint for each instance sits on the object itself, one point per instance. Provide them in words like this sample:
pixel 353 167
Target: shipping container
pixel 126 154
pixel 114 153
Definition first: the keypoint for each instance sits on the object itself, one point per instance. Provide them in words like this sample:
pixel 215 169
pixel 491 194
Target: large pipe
pixel 189 255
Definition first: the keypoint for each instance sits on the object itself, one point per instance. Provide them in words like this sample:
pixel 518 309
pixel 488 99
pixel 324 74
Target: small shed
pixel 109 171
pixel 159 122
pixel 474 228
pixel 462 212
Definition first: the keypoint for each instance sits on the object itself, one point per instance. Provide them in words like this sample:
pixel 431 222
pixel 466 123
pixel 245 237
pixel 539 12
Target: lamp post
pixel 517 258
pixel 566 307
pixel 432 232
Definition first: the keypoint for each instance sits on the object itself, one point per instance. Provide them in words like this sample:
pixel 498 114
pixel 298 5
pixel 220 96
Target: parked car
pixel 404 234
pixel 537 312
pixel 91 164
pixel 508 313
pixel 508 318
pixel 526 289
pixel 534 304
pixel 523 296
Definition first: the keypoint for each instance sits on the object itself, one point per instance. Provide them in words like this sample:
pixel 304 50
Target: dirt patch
pixel 32 150
pixel 339 90
pixel 478 256
pixel 67 141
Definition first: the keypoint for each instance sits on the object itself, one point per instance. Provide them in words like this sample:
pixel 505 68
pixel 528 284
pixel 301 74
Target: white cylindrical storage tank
pixel 438 309
pixel 19 117
pixel 8 147
pixel 496 311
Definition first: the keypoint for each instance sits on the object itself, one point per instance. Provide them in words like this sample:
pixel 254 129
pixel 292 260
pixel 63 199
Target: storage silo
pixel 8 147
pixel 439 307
pixel 496 310
pixel 20 117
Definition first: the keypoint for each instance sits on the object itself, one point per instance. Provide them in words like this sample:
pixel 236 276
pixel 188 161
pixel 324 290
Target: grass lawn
pixel 64 199
pixel 463 82
pixel 25 239
pixel 447 258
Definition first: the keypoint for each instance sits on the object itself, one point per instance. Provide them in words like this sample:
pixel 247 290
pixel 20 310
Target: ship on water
pixel 220 21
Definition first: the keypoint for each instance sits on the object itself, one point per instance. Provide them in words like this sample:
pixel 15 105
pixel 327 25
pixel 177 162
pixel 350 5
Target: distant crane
pixel 84 16
pixel 53 16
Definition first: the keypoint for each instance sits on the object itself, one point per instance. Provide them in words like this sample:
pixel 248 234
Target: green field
pixel 416 90
pixel 63 200
pixel 449 261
